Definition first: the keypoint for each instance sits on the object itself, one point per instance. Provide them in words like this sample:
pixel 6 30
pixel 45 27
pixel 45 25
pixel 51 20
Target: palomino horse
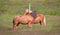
pixel 28 19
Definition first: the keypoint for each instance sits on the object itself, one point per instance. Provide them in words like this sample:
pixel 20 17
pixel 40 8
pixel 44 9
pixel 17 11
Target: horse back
pixel 25 19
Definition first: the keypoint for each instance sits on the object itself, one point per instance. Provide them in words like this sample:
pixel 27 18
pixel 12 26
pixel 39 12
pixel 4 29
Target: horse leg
pixel 43 22
pixel 30 25
pixel 15 25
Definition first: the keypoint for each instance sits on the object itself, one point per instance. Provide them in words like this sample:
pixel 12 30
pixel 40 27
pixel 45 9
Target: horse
pixel 28 19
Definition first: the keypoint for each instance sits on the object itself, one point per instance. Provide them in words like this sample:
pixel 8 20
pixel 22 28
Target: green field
pixel 52 28
pixel 48 7
pixel 11 8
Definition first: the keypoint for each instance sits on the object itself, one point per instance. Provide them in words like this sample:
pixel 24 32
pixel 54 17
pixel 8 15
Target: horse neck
pixel 28 14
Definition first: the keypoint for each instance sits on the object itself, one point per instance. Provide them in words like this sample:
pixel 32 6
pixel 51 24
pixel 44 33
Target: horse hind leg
pixel 15 24
pixel 18 23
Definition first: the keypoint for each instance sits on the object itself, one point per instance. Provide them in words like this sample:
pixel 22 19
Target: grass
pixel 11 8
pixel 41 6
pixel 6 26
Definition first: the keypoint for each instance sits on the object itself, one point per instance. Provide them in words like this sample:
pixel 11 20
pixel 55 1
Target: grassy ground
pixel 11 8
pixel 52 28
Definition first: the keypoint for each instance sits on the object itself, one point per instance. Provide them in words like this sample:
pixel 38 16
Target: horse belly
pixel 37 20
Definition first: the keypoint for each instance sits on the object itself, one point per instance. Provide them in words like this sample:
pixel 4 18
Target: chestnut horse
pixel 28 19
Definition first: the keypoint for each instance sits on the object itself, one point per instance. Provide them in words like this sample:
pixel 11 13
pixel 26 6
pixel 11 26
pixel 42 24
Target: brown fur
pixel 27 19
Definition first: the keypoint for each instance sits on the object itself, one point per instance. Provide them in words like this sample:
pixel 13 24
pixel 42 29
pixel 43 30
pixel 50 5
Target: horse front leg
pixel 43 23
pixel 30 25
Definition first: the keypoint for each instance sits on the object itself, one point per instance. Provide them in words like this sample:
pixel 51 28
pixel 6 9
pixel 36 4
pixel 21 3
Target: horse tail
pixel 13 21
pixel 44 21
